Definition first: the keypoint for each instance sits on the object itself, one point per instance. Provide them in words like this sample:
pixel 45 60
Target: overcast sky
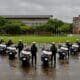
pixel 62 9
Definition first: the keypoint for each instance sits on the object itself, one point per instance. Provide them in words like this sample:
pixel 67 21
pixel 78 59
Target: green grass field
pixel 41 39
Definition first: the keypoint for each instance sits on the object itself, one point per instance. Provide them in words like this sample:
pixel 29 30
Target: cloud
pixel 62 9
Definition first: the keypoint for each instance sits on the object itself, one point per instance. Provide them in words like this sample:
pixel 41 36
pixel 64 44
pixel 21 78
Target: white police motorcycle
pixel 25 57
pixel 2 48
pixel 46 56
pixel 63 52
pixel 74 49
pixel 12 51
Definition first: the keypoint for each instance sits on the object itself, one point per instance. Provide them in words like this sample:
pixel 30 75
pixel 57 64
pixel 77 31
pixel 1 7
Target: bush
pixel 2 21
pixel 12 26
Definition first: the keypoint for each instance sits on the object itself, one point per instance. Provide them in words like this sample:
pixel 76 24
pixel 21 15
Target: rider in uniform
pixel 33 52
pixel 1 41
pixel 78 43
pixel 9 43
pixel 68 44
pixel 20 47
pixel 53 49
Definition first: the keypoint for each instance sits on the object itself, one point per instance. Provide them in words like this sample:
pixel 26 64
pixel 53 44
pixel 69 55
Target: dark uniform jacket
pixel 33 49
pixel 68 45
pixel 53 49
pixel 9 43
pixel 1 41
pixel 78 43
pixel 20 46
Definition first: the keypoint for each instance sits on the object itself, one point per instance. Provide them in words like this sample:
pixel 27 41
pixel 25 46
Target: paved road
pixel 65 70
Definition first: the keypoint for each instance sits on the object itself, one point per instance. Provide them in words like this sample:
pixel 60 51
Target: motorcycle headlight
pixel 63 53
pixel 46 59
pixel 24 59
pixel 10 53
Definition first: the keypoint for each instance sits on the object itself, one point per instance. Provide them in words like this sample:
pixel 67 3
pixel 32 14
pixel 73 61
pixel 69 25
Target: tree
pixel 65 28
pixel 15 27
pixel 2 21
pixel 53 26
pixel 12 29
